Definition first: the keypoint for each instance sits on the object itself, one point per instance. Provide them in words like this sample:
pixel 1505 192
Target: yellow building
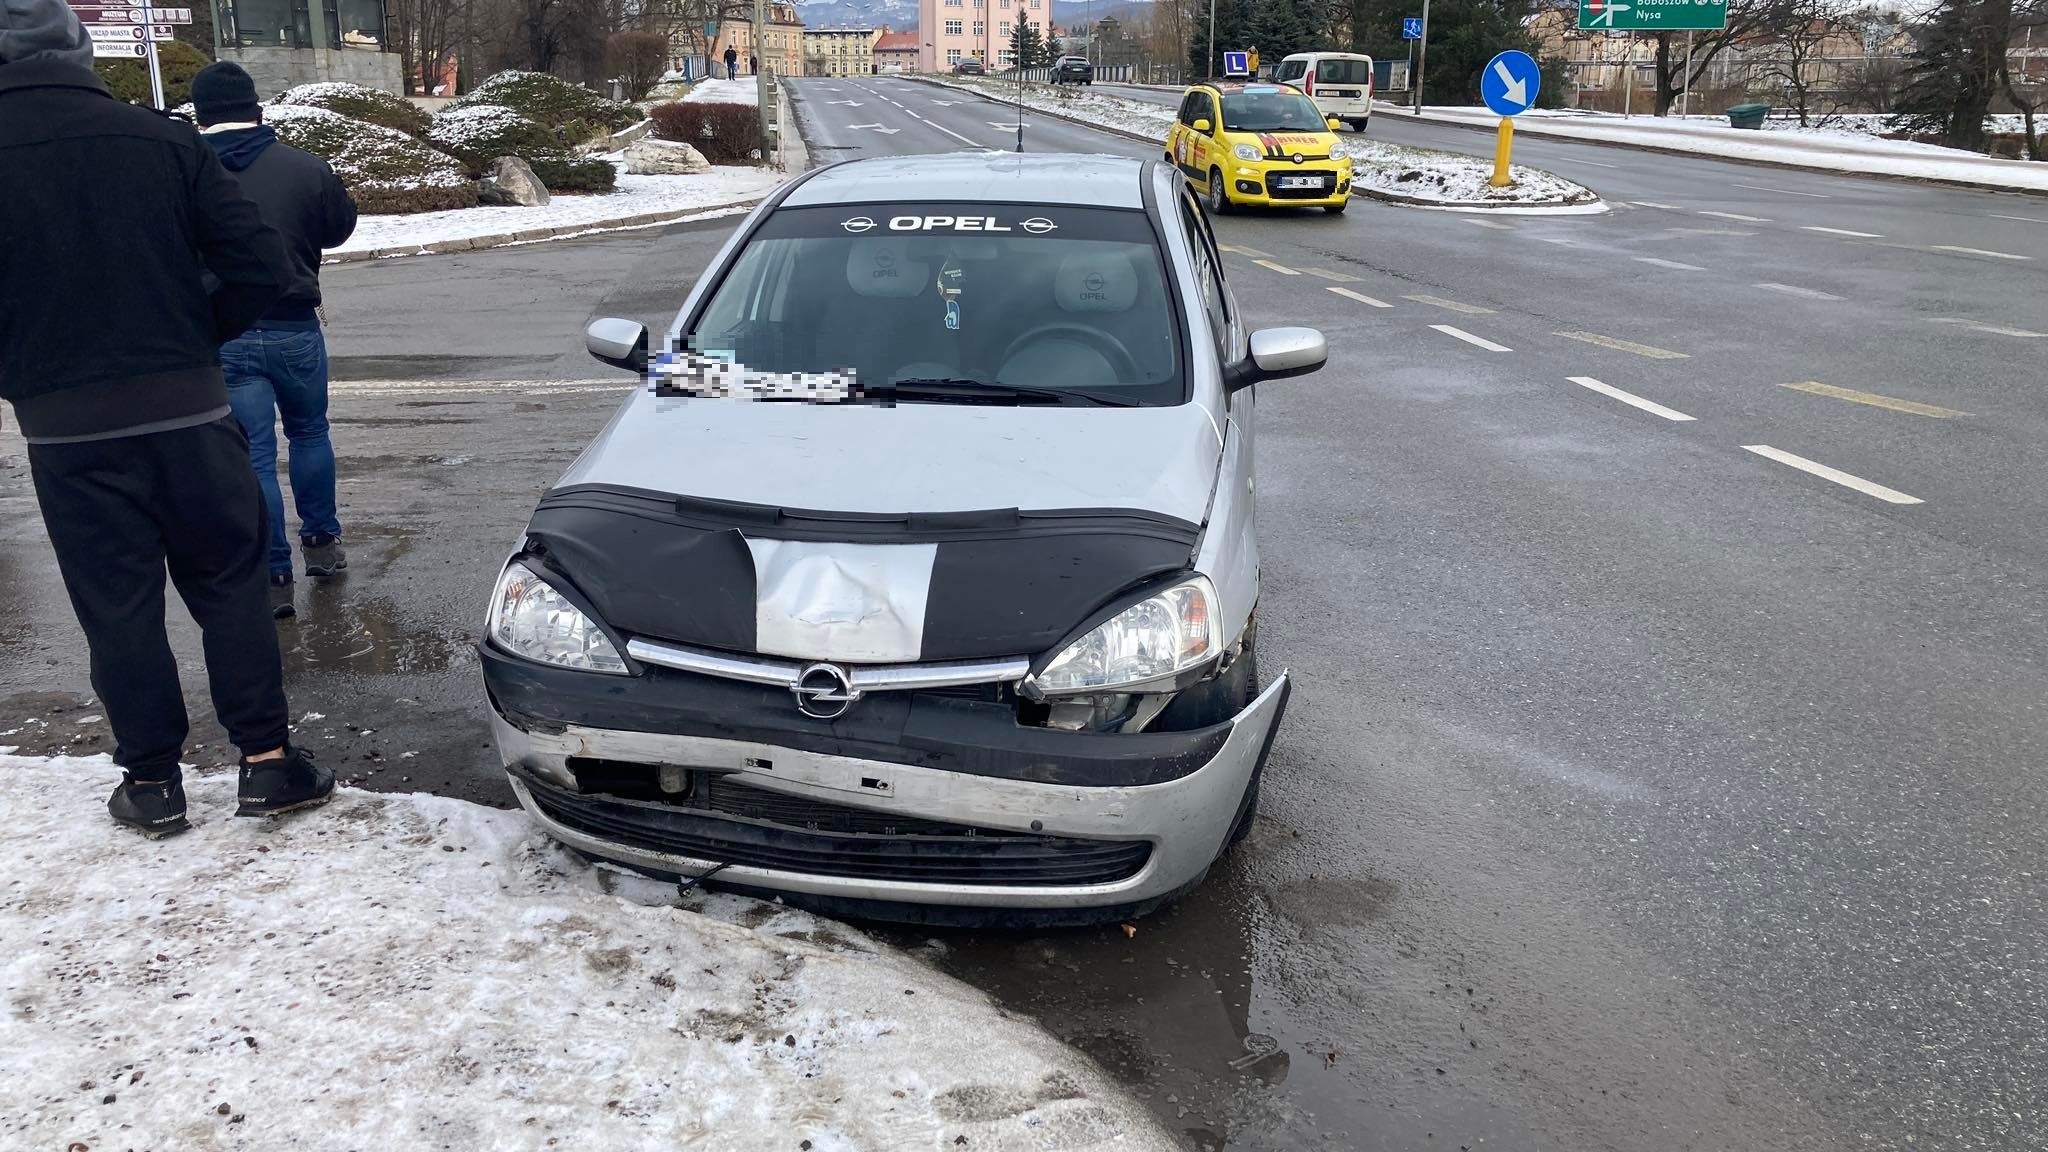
pixel 780 50
pixel 840 51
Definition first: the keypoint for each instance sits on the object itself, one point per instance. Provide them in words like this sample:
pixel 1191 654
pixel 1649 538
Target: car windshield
pixel 966 303
pixel 1270 110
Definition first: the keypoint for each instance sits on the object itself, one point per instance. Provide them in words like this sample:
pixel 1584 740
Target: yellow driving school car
pixel 1259 144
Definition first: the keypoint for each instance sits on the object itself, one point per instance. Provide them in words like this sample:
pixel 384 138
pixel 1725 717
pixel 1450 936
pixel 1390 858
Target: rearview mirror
pixel 619 343
pixel 1277 353
pixel 1201 125
pixel 1334 123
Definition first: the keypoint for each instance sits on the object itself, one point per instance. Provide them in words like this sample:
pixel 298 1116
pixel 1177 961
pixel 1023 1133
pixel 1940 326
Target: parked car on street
pixel 1263 144
pixel 919 576
pixel 1073 70
pixel 969 67
pixel 1339 82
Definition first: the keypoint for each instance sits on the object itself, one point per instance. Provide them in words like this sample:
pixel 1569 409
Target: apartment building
pixel 840 51
pixel 950 31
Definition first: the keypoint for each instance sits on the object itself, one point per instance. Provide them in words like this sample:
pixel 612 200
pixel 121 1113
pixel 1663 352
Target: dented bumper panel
pixel 1022 830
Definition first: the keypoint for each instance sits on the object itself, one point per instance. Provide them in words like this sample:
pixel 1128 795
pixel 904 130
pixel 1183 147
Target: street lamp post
pixel 1422 58
pixel 1212 38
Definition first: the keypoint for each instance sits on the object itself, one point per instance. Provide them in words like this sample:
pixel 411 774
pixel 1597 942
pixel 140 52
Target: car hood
pixel 909 458
pixel 864 534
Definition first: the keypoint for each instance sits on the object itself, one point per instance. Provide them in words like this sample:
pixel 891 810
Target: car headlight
pixel 1247 152
pixel 1149 643
pixel 1339 152
pixel 529 618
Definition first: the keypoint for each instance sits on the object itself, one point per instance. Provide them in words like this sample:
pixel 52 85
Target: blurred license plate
pixel 1301 182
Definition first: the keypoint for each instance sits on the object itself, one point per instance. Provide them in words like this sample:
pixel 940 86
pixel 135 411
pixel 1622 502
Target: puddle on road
pixel 337 632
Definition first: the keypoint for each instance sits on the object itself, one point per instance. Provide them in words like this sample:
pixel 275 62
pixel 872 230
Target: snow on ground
pixel 1824 149
pixel 414 972
pixel 636 195
pixel 743 91
pixel 1444 178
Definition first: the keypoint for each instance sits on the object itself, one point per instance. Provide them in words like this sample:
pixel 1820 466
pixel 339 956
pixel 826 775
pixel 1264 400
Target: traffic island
pixel 1425 177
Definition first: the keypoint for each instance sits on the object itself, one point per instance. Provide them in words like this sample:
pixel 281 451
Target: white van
pixel 1339 82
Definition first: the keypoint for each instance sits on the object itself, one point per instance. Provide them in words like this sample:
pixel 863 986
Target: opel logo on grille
pixel 824 692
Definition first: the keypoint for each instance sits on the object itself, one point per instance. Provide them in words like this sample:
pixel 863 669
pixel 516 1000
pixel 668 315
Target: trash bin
pixel 1748 115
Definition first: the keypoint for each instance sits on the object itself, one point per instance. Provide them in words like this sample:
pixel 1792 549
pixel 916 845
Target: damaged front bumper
pixel 911 802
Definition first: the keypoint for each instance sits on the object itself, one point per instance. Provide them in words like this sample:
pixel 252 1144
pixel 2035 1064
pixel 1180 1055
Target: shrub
pixel 724 133
pixel 385 170
pixel 550 100
pixel 480 133
pixel 176 60
pixel 358 102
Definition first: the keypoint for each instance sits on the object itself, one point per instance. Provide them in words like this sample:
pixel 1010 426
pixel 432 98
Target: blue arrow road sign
pixel 1509 83
pixel 1237 63
pixel 1411 28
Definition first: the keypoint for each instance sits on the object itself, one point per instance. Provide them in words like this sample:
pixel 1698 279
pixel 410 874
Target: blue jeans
pixel 276 373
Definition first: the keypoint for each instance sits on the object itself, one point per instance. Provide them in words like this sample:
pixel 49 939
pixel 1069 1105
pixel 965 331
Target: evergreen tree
pixel 1028 44
pixel 1955 71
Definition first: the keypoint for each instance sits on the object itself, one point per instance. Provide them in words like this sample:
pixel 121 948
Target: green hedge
pixel 579 113
pixel 358 102
pixel 477 134
pixel 385 170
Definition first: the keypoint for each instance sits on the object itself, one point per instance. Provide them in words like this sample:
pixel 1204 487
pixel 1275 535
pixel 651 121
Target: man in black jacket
pixel 108 339
pixel 279 366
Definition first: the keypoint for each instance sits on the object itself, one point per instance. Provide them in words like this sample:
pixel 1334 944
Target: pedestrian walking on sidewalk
pixel 278 368
pixel 732 63
pixel 109 354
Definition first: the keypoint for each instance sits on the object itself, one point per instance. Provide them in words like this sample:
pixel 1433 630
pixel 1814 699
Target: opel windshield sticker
pixel 1036 225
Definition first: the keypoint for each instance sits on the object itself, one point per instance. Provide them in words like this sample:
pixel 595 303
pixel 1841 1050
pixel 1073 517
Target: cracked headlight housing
pixel 529 618
pixel 1153 644
pixel 1246 152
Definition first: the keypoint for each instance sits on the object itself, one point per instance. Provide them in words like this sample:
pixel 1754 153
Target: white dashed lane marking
pixel 1980 326
pixel 1960 250
pixel 1738 216
pixel 1361 297
pixel 1654 204
pixel 1450 305
pixel 1282 269
pixel 1467 337
pixel 1629 398
pixel 1325 273
pixel 1675 265
pixel 1784 191
pixel 1795 290
pixel 1649 351
pixel 1844 232
pixel 1814 468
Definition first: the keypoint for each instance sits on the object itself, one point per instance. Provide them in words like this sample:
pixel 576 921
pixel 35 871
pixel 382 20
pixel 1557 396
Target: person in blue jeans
pixel 278 368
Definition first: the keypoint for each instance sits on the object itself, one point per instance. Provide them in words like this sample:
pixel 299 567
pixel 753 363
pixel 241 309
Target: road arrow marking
pixel 1517 88
pixel 1007 124
pixel 848 103
pixel 945 103
pixel 877 128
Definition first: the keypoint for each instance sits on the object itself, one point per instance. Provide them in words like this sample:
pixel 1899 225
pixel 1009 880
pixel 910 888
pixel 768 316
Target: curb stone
pixel 529 235
pixel 1369 193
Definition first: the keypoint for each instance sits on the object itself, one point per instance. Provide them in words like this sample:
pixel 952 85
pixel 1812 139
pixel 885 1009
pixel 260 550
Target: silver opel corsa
pixel 917 581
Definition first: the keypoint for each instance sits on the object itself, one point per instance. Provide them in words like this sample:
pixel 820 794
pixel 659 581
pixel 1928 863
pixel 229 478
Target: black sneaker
pixel 324 557
pixel 281 597
pixel 270 787
pixel 155 808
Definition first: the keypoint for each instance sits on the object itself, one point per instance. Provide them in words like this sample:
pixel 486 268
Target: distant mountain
pixel 897 14
pixel 901 15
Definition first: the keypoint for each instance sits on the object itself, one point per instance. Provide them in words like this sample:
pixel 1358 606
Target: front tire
pixel 1220 203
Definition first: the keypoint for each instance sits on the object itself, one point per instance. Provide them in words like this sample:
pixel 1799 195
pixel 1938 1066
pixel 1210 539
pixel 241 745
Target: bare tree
pixel 2027 92
pixel 637 60
pixel 428 33
pixel 1802 31
pixel 1746 18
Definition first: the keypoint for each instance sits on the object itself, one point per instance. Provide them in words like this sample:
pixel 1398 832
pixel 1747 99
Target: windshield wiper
pixel 973 391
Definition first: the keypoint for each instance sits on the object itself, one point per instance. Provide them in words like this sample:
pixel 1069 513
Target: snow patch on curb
pixel 409 971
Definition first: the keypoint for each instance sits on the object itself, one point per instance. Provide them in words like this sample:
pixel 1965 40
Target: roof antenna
pixel 1017 62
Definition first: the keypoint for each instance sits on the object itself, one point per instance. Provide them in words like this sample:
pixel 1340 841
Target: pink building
pixel 949 31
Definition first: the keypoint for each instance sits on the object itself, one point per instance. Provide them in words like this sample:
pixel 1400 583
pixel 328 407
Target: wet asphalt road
pixel 1639 792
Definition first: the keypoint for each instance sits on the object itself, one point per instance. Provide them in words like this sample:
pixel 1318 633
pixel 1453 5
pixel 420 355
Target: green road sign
pixel 1654 15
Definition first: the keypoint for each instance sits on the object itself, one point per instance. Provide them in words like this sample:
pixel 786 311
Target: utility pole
pixel 760 39
pixel 156 75
pixel 1422 58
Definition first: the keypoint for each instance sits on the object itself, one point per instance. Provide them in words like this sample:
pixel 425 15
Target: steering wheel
pixel 1120 359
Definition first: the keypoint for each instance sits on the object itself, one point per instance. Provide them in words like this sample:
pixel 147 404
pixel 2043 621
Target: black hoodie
pixel 301 197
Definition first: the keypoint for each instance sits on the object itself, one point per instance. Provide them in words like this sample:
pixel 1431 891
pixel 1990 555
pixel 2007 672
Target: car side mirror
pixel 1334 123
pixel 1202 125
pixel 1277 353
pixel 619 343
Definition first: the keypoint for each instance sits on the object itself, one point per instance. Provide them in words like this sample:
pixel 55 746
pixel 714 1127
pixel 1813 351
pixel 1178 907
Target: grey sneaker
pixel 281 597
pixel 324 559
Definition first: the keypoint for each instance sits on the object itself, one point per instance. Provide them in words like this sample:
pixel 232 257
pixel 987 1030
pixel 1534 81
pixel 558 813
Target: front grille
pixel 1325 190
pixel 753 827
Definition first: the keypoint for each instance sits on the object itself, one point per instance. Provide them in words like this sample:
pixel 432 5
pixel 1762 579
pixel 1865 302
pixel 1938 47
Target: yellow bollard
pixel 1502 147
